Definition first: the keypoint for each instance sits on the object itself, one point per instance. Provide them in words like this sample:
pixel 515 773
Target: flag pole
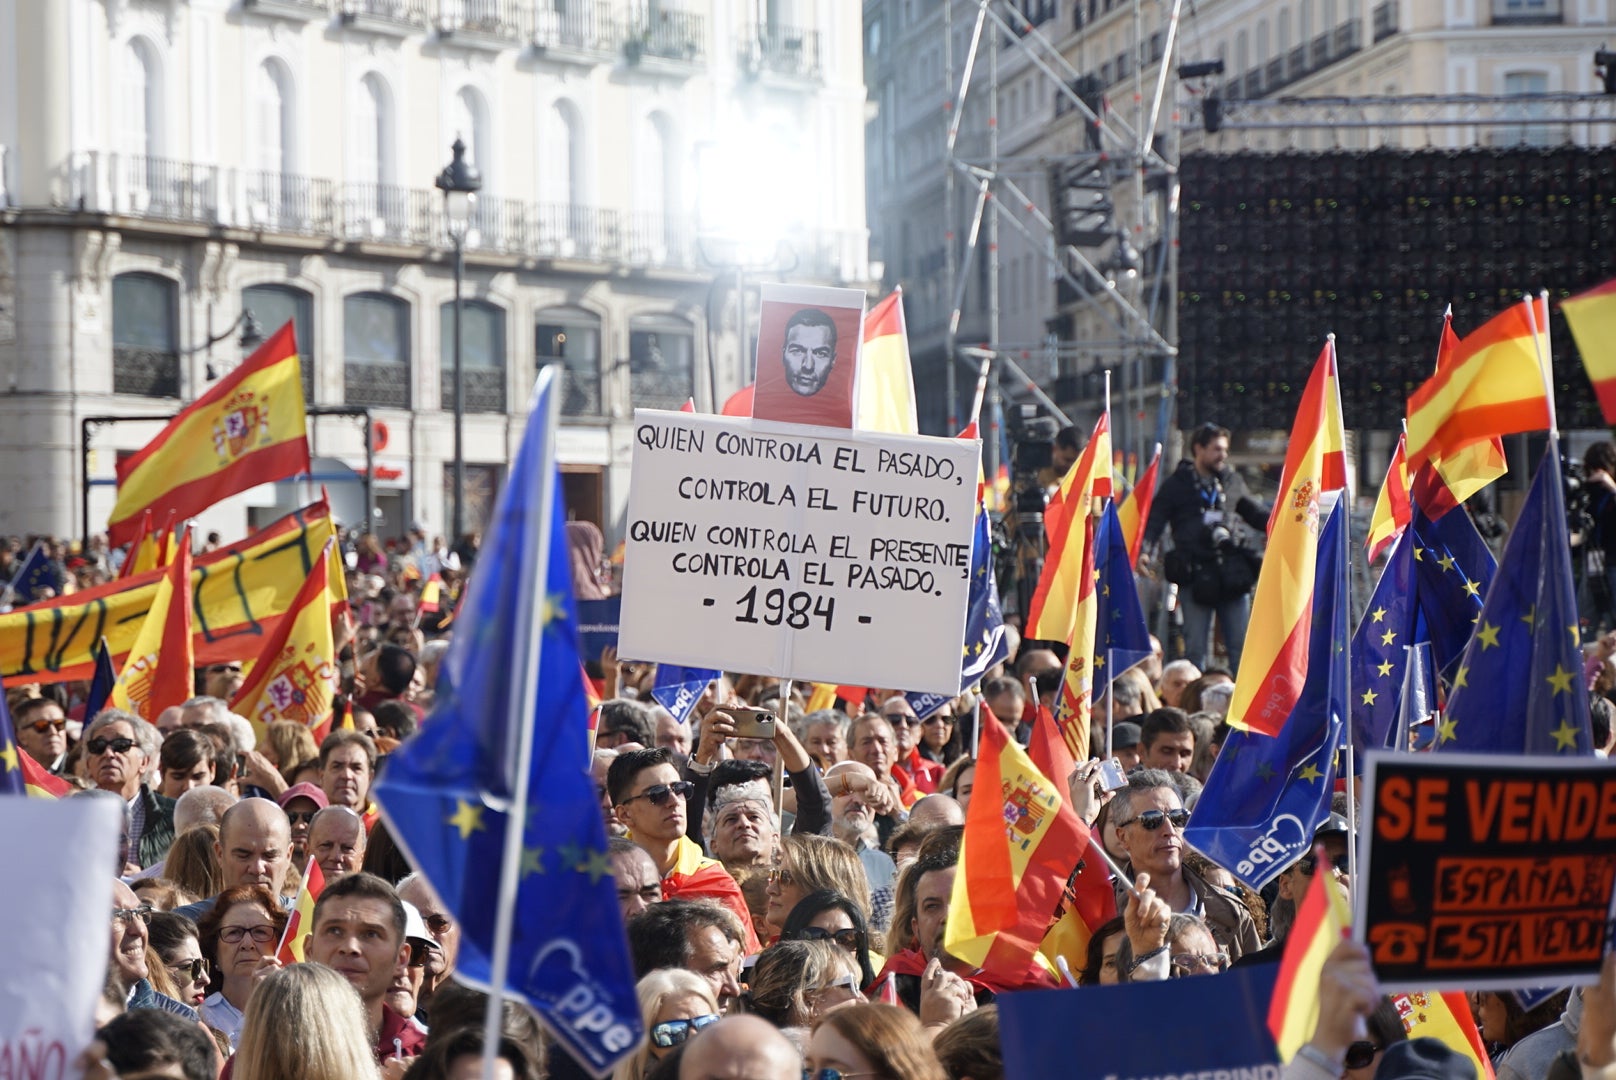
pixel 521 728
pixel 1346 729
pixel 780 762
pixel 1110 711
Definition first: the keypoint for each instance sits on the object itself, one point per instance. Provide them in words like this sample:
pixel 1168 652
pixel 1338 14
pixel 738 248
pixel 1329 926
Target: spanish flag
pixel 1445 1017
pixel 886 382
pixel 1450 479
pixel 142 551
pixel 1075 704
pixel 1592 317
pixel 693 876
pixel 1392 508
pixel 1134 510
pixel 1495 386
pixel 1274 664
pixel 300 920
pixel 158 671
pixel 250 428
pixel 1322 921
pixel 296 673
pixel 1053 611
pixel 1021 840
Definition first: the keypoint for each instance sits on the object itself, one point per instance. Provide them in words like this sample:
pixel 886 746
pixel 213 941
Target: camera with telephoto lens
pixel 1220 537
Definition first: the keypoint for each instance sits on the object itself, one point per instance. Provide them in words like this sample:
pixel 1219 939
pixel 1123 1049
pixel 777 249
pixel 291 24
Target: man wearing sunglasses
pixel 1150 819
pixel 119 748
pixel 911 768
pixel 41 731
pixel 443 929
pixel 1294 881
pixel 649 799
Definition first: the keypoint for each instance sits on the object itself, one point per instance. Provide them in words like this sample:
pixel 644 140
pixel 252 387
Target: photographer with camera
pixel 1215 573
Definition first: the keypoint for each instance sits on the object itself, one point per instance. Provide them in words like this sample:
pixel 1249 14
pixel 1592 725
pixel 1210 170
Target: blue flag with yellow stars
pixel 1267 793
pixel 1453 569
pixel 1519 686
pixel 510 678
pixel 12 781
pixel 1390 624
pixel 985 644
pixel 1122 637
pixel 677 689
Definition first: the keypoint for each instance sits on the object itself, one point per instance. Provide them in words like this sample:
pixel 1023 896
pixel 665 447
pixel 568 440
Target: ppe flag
pixel 678 688
pixel 106 676
pixel 507 743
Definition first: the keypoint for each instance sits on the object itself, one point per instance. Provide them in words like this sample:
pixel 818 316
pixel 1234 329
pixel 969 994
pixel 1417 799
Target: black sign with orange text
pixel 1485 873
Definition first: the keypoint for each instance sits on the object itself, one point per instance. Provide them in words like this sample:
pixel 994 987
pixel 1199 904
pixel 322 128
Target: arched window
pixel 140 101
pixel 661 361
pixel 273 306
pixel 272 195
pixel 376 350
pixel 482 355
pixel 658 235
pixel 571 337
pixel 375 207
pixel 561 180
pixel 471 124
pixel 145 336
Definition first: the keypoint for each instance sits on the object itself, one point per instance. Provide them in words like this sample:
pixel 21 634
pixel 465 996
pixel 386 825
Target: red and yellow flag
pixel 250 428
pixel 296 673
pixel 300 920
pixel 1075 703
pixel 1021 841
pixel 1592 318
pixel 1494 386
pixel 159 670
pixel 39 781
pixel 886 381
pixel 1053 611
pixel 143 550
pixel 1445 1017
pixel 1393 511
pixel 1322 920
pixel 1449 479
pixel 1274 664
pixel 1134 510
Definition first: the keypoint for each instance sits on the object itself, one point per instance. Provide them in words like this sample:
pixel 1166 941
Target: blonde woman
pixel 808 864
pixel 794 983
pixel 676 1004
pixel 324 1010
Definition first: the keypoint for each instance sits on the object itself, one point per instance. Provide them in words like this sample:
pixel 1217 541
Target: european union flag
pixel 35 573
pixel 101 684
pixel 1379 651
pixel 12 782
pixel 1519 686
pixel 1122 637
pixel 985 644
pixel 678 688
pixel 1453 569
pixel 1266 793
pixel 507 739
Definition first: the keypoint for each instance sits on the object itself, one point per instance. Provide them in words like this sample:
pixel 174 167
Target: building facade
pixel 168 166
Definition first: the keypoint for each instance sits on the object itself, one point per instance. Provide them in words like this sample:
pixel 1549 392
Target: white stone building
pixel 167 165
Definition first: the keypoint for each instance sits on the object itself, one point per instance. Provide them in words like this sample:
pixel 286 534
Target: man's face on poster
pixel 808 355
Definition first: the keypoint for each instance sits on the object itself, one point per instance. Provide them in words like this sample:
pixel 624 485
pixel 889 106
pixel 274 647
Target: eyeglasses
pixel 849 939
pixel 832 1074
pixel 221 669
pixel 439 924
pixel 190 970
pixel 417 954
pixel 232 935
pixel 1308 863
pixel 848 982
pixel 1151 820
pixel 300 817
pixel 129 914
pixel 905 719
pixel 940 719
pixel 659 794
pixel 673 1032
pixel 779 875
pixel 99 745
pixel 42 726
pixel 1361 1054
pixel 1199 963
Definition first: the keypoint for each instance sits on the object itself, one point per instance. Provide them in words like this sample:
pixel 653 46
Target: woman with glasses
pixel 940 739
pixel 827 915
pixel 239 937
pixel 794 983
pixel 1161 946
pixel 870 1041
pixel 173 938
pixel 675 1004
pixel 808 864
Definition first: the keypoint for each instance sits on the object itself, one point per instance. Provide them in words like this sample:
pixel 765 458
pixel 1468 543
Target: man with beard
pixel 858 807
pixel 649 798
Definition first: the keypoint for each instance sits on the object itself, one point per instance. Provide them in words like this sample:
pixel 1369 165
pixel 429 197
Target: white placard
pixel 60 861
pixel 800 552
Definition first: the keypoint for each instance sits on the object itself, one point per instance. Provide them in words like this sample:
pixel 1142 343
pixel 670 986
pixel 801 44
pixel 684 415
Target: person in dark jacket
pixel 119 748
pixel 1199 503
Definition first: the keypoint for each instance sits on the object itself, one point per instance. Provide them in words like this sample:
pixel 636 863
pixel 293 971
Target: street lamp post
pixel 459 183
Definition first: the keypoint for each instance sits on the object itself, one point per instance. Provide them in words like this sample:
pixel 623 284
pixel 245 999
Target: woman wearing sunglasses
pixel 173 938
pixel 676 1004
pixel 827 915
pixel 794 983
pixel 239 937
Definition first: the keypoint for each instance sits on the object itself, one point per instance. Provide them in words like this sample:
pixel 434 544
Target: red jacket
pixel 918 772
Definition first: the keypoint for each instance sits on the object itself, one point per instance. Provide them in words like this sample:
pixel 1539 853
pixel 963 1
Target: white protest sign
pixel 801 552
pixel 60 860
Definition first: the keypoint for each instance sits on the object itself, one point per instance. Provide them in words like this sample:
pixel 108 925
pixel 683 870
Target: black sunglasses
pixel 674 1032
pixel 99 745
pixel 849 939
pixel 1151 820
pixel 659 794
pixel 301 816
pixel 42 726
pixel 1360 1054
pixel 906 719
pixel 1308 863
pixel 190 970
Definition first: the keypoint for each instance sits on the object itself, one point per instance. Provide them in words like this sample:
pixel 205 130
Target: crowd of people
pixel 798 940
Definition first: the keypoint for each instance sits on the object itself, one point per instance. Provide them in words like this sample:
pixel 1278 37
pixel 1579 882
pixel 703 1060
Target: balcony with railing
pixel 570 231
pixel 786 51
pixel 1528 12
pixel 497 23
pixel 145 372
pixel 384 16
pixel 302 10
pixel 585 30
pixel 679 36
pixel 286 203
pixel 580 385
pixel 485 387
pixel 379 386
pixel 1306 59
pixel 389 213
pixel 164 189
pixel 661 240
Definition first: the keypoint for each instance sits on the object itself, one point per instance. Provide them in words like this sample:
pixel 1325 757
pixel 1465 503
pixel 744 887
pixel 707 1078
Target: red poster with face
pixel 809 340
